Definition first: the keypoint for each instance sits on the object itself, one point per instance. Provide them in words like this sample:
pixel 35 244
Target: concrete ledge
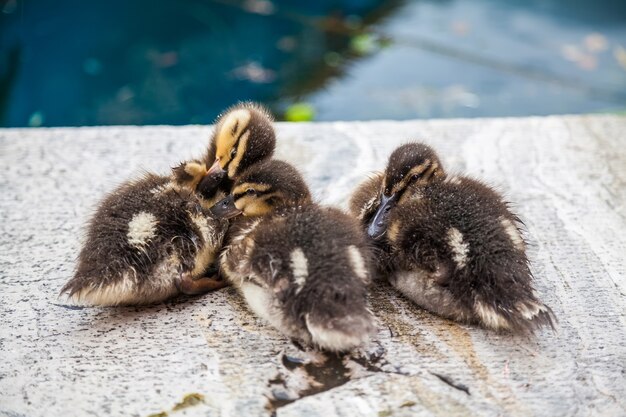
pixel 566 175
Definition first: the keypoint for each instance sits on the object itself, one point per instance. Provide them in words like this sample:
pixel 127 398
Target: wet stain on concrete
pixel 306 377
pixel 317 372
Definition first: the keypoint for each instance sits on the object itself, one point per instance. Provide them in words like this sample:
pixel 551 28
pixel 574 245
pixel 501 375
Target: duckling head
pixel 243 136
pixel 262 189
pixel 410 167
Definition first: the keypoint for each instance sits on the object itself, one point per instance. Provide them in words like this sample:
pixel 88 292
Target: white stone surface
pixel 566 176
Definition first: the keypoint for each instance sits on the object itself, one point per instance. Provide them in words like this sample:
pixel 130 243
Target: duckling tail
pixel 534 314
pixel 336 328
pixel 524 317
pixel 73 290
pixel 83 291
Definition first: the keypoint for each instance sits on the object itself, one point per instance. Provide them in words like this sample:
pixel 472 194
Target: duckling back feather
pixel 462 233
pixel 142 237
pixel 315 263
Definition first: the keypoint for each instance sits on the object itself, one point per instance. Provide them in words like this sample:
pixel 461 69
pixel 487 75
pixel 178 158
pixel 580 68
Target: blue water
pixel 71 63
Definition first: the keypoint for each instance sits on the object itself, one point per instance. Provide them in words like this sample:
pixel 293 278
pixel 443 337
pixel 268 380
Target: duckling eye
pixel 233 153
pixel 251 191
pixel 415 177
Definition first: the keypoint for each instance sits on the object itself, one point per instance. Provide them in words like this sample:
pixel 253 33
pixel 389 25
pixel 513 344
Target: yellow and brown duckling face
pixel 244 135
pixel 410 166
pixel 262 189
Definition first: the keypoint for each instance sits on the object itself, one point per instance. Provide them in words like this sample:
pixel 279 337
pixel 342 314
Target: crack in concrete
pixel 446 379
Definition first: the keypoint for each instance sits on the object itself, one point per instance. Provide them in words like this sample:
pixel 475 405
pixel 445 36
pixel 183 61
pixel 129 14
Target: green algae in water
pixel 300 112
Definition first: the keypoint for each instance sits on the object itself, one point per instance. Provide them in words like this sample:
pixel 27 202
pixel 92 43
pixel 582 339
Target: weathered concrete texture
pixel 566 175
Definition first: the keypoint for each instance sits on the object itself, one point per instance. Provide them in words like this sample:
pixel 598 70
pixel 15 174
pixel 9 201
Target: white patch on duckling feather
pixel 141 228
pixel 513 233
pixel 489 316
pixel 357 262
pixel 300 268
pixel 458 246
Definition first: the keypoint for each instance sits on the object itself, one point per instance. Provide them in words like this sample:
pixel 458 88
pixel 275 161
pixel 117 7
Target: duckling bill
pixel 451 243
pixel 301 267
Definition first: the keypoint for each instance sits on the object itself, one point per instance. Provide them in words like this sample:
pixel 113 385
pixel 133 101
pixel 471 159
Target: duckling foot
pixel 187 285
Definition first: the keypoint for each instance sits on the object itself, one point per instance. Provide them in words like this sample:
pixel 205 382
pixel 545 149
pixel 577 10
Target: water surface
pixel 72 63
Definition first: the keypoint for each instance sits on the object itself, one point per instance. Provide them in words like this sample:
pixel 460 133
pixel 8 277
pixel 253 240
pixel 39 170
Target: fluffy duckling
pixel 303 268
pixel 148 240
pixel 453 246
pixel 154 237
pixel 243 136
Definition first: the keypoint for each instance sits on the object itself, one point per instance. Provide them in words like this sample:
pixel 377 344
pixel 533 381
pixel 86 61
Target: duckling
pixel 301 267
pixel 243 136
pixel 453 245
pixel 154 237
pixel 149 240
